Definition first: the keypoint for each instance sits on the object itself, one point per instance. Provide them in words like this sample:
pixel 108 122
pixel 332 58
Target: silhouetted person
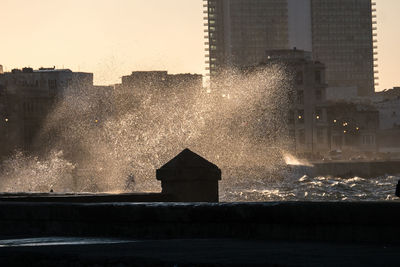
pixel 130 182
pixel 398 189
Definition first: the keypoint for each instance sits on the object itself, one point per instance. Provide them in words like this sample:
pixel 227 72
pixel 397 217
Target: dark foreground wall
pixel 327 221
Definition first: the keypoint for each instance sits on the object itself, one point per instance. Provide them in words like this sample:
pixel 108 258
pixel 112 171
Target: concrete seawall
pixel 86 197
pixel 364 169
pixel 292 221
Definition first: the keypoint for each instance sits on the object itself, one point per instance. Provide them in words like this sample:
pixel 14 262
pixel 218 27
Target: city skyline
pixel 114 39
pixel 338 33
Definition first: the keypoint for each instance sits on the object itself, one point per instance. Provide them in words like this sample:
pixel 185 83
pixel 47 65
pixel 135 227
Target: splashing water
pixel 109 138
pixel 22 173
pixel 100 141
pixel 292 160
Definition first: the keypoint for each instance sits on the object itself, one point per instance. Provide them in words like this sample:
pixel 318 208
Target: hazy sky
pixel 113 38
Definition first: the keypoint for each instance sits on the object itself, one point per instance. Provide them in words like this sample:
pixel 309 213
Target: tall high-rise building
pixel 339 33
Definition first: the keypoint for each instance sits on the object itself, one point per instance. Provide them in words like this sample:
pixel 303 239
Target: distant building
pixel 144 84
pixel 317 126
pixel 342 93
pixel 387 102
pixel 26 98
pixel 389 113
pixel 307 118
pixel 160 80
pixel 389 142
pixel 393 93
pixel 145 80
pixel 339 33
pixel 1 69
pixel 354 128
pixel 307 115
pixel 381 111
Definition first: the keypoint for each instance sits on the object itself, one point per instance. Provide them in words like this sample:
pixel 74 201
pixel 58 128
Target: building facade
pixel 339 33
pixel 151 85
pixel 26 98
pixel 387 102
pixel 141 83
pixel 354 128
pixel 305 111
pixel 307 117
pixel 159 81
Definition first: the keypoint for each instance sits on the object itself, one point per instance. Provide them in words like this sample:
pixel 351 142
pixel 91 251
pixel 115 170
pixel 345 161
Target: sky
pixel 114 38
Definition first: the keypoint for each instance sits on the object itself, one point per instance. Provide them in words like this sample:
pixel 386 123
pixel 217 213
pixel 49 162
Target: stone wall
pixel 292 221
pixel 363 169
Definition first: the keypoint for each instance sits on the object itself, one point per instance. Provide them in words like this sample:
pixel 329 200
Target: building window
pixel 291 117
pixel 302 137
pixel 300 97
pixel 291 97
pixel 368 139
pixel 299 78
pixel 318 78
pixel 318 95
pixel 52 84
pixel 320 136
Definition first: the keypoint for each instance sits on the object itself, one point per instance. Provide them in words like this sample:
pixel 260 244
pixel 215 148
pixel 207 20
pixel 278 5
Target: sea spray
pixel 113 137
